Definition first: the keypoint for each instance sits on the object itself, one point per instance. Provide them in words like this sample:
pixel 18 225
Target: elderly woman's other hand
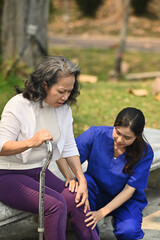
pixel 72 185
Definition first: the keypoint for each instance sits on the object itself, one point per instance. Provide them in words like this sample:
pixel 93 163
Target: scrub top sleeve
pixel 84 144
pixel 139 179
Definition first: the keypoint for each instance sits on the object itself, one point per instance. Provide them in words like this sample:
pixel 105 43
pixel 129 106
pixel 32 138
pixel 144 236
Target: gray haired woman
pixel 38 113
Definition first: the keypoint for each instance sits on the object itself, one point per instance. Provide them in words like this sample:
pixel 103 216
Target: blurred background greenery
pixel 99 102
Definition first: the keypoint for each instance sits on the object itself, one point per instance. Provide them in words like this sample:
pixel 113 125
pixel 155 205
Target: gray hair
pixel 48 71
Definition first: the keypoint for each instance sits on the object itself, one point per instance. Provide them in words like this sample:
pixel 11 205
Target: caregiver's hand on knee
pixel 93 218
pixel 82 196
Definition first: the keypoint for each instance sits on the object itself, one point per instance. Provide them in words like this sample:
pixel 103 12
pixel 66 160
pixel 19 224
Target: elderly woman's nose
pixel 65 95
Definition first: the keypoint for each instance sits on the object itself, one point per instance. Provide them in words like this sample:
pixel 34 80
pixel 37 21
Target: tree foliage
pixel 1 10
pixel 89 7
pixel 140 6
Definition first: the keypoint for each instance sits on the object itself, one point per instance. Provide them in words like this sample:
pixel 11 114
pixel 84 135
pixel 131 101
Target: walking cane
pixel 42 188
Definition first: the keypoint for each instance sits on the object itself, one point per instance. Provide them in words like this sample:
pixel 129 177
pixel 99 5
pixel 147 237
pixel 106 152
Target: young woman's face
pixel 123 136
pixel 58 94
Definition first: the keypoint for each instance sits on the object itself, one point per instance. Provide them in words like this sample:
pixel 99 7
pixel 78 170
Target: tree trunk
pixel 1 10
pixel 123 36
pixel 19 18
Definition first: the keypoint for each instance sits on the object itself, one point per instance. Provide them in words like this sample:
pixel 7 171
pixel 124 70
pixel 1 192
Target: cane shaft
pixel 42 190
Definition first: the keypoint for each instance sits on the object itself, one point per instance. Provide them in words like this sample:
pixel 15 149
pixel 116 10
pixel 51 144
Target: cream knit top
pixel 21 119
pixel 47 119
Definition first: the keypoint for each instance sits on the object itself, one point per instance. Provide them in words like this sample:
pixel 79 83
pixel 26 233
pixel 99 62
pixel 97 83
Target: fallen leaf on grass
pixel 156 86
pixel 88 78
pixel 157 97
pixel 138 92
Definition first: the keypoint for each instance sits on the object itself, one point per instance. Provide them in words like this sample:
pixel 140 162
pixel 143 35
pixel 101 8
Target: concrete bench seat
pixel 9 215
pixel 153 137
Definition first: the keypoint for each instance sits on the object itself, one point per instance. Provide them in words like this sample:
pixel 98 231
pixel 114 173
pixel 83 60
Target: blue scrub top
pixel 97 146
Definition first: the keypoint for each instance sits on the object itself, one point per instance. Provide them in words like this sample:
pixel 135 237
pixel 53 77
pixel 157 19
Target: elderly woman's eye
pixel 61 92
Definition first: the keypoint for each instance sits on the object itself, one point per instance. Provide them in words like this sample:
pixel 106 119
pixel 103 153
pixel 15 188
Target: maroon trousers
pixel 20 189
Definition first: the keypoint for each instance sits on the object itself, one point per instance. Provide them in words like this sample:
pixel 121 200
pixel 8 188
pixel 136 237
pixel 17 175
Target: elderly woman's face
pixel 59 92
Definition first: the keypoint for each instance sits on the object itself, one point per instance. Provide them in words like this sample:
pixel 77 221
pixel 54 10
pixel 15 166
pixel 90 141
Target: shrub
pixel 89 7
pixel 140 6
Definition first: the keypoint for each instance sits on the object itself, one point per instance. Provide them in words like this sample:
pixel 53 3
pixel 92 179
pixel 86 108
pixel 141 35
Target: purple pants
pixel 20 189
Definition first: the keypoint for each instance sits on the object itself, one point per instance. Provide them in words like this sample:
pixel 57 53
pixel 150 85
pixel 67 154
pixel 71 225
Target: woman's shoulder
pixel 148 154
pixel 18 103
pixel 17 99
pixel 149 149
pixel 15 102
pixel 102 130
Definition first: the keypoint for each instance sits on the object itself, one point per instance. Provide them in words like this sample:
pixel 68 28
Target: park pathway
pixel 104 42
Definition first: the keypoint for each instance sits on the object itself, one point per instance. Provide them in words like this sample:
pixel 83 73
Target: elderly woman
pixel 38 113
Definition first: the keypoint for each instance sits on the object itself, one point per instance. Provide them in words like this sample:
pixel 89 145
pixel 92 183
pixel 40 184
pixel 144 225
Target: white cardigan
pixel 18 122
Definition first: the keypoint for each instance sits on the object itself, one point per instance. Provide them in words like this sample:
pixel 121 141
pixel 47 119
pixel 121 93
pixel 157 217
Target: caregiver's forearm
pixel 121 198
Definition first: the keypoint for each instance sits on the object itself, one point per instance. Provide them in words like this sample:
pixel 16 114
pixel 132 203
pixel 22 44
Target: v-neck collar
pixel 112 143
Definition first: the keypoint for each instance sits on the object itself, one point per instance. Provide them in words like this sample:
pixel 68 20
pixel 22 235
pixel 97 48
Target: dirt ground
pixel 67 19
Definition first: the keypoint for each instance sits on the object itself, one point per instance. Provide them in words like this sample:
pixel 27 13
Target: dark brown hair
pixel 133 118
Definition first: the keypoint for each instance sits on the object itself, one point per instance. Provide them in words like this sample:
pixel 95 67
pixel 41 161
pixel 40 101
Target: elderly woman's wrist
pixel 28 143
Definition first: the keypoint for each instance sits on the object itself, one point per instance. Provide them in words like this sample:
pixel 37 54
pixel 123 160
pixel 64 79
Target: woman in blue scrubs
pixel 119 161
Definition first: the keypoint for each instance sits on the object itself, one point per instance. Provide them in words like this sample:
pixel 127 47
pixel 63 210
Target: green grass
pixel 100 62
pixel 7 88
pixel 99 103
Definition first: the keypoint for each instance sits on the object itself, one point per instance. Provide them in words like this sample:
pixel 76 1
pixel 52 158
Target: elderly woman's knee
pixel 69 197
pixel 53 205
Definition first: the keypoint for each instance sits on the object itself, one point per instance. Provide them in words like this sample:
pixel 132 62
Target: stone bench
pixel 9 215
pixel 153 137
